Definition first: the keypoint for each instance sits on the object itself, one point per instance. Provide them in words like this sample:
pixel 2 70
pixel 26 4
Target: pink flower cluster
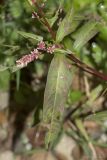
pixel 22 62
pixel 41 46
pixel 51 49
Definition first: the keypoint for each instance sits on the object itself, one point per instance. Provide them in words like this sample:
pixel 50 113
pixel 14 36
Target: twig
pixel 86 68
pixel 40 11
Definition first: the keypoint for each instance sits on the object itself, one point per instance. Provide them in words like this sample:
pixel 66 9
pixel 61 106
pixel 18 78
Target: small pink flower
pixel 41 45
pixel 51 49
pixel 26 58
pixel 35 54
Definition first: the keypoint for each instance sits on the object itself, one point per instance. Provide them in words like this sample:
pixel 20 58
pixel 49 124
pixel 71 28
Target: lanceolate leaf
pixel 56 91
pixel 53 19
pixel 87 106
pixel 100 116
pixel 81 128
pixel 67 26
pixel 84 34
pixel 30 35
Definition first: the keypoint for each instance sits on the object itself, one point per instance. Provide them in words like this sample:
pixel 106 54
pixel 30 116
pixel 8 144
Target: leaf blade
pixel 58 83
pixel 100 116
pixel 67 26
pixel 84 34
pixel 30 35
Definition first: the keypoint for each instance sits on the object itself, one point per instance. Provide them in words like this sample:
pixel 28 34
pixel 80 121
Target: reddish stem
pixel 40 11
pixel 86 67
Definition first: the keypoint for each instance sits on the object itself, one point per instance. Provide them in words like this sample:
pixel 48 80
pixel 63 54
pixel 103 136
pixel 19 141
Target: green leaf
pixel 101 116
pixel 16 9
pixel 67 26
pixel 4 80
pixel 3 68
pixel 74 96
pixel 81 128
pixel 52 20
pixel 68 43
pixel 97 53
pixel 84 34
pixel 94 95
pixel 56 91
pixel 30 35
pixel 30 2
pixel 94 142
pixel 88 105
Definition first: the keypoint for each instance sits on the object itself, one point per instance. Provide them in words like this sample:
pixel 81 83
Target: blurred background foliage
pixel 25 88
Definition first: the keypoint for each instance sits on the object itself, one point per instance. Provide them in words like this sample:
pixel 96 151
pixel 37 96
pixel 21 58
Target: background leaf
pixel 4 80
pixel 89 104
pixel 52 20
pixel 84 34
pixel 30 35
pixel 100 116
pixel 67 26
pixel 82 129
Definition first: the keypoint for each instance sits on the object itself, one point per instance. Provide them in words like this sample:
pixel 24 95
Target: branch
pixel 86 68
pixel 41 13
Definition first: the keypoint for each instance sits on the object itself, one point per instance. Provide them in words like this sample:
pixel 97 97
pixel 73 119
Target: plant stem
pixel 86 67
pixel 40 11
